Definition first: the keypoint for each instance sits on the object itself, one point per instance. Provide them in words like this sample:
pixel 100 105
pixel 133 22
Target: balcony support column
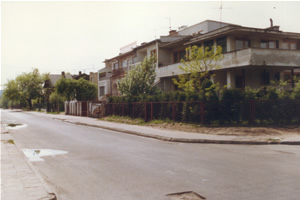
pixel 230 79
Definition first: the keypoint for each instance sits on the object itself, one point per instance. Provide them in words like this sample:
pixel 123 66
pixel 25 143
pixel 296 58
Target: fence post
pixel 132 110
pixel 202 112
pixel 145 104
pixel 151 111
pixel 173 109
pixel 252 111
pixel 122 109
pixel 113 109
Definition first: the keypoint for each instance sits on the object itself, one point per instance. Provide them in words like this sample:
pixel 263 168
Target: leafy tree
pixel 26 87
pixel 81 90
pixel 197 67
pixel 66 87
pixel 85 90
pixel 139 80
pixel 12 92
pixel 56 100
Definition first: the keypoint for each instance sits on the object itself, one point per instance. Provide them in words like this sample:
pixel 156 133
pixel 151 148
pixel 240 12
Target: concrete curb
pixel 51 195
pixel 184 140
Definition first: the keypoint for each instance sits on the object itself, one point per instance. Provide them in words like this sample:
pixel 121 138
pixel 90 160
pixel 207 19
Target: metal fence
pixel 263 112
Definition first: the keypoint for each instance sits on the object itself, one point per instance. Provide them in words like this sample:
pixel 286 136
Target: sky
pixel 75 36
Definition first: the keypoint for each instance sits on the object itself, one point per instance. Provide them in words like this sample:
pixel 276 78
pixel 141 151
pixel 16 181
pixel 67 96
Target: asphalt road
pixel 102 164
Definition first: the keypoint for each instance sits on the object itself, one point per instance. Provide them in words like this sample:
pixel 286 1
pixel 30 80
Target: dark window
pixel 265 76
pixel 223 43
pixel 276 76
pixel 242 44
pixel 208 44
pixel 239 82
pixel 101 91
pixel 178 55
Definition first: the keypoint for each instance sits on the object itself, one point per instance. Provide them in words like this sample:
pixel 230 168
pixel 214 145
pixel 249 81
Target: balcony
pixel 119 72
pixel 247 57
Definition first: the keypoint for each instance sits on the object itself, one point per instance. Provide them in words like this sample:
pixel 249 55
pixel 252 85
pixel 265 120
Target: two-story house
pixel 252 56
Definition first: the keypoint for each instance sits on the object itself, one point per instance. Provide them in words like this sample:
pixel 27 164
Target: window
pixel 223 43
pixel 124 63
pixel 178 55
pixel 265 78
pixel 115 66
pixel 292 45
pixel 103 74
pixel 242 44
pixel 269 44
pixel 153 53
pixel 208 44
pixel 101 91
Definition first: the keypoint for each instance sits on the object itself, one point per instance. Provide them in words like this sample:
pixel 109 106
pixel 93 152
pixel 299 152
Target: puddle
pixel 16 126
pixel 190 195
pixel 36 154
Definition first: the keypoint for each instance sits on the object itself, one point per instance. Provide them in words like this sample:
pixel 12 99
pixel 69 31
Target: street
pixel 102 164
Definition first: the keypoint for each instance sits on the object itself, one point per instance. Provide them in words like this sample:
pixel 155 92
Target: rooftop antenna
pixel 221 9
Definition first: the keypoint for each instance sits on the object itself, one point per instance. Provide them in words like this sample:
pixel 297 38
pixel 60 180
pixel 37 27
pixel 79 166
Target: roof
pixel 53 78
pixel 132 51
pixel 240 30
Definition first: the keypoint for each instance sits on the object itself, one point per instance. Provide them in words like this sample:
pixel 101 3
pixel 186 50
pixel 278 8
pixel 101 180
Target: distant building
pixel 81 75
pixel 53 78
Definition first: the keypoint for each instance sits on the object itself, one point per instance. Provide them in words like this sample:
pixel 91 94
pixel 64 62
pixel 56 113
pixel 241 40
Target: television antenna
pixel 221 10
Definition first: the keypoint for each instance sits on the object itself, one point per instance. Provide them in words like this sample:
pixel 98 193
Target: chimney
pixel 271 21
pixel 79 73
pixel 173 33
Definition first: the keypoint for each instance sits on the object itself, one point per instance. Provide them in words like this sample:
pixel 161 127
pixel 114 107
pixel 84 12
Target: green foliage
pixel 140 79
pixel 296 91
pixel 25 88
pixel 197 68
pixel 57 101
pixel 66 87
pixel 81 90
pixel 85 90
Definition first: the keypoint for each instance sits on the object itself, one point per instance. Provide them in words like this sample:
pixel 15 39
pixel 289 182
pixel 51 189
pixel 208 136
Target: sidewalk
pixel 177 136
pixel 18 180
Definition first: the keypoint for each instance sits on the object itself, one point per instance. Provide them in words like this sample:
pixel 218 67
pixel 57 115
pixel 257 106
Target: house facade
pixel 253 57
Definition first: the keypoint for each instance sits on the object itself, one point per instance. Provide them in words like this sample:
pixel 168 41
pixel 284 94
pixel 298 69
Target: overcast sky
pixel 79 36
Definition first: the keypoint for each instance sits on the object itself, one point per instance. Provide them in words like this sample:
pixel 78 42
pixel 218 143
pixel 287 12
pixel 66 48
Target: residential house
pixel 49 85
pixel 253 57
pixel 53 78
pixel 104 80
pixel 94 79
pixel 81 75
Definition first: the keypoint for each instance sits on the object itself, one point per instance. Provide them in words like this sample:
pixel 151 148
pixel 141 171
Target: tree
pixel 85 90
pixel 197 67
pixel 56 100
pixel 12 92
pixel 139 80
pixel 71 89
pixel 26 87
pixel 66 87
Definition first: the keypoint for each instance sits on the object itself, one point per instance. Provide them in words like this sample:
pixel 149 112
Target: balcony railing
pixel 246 57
